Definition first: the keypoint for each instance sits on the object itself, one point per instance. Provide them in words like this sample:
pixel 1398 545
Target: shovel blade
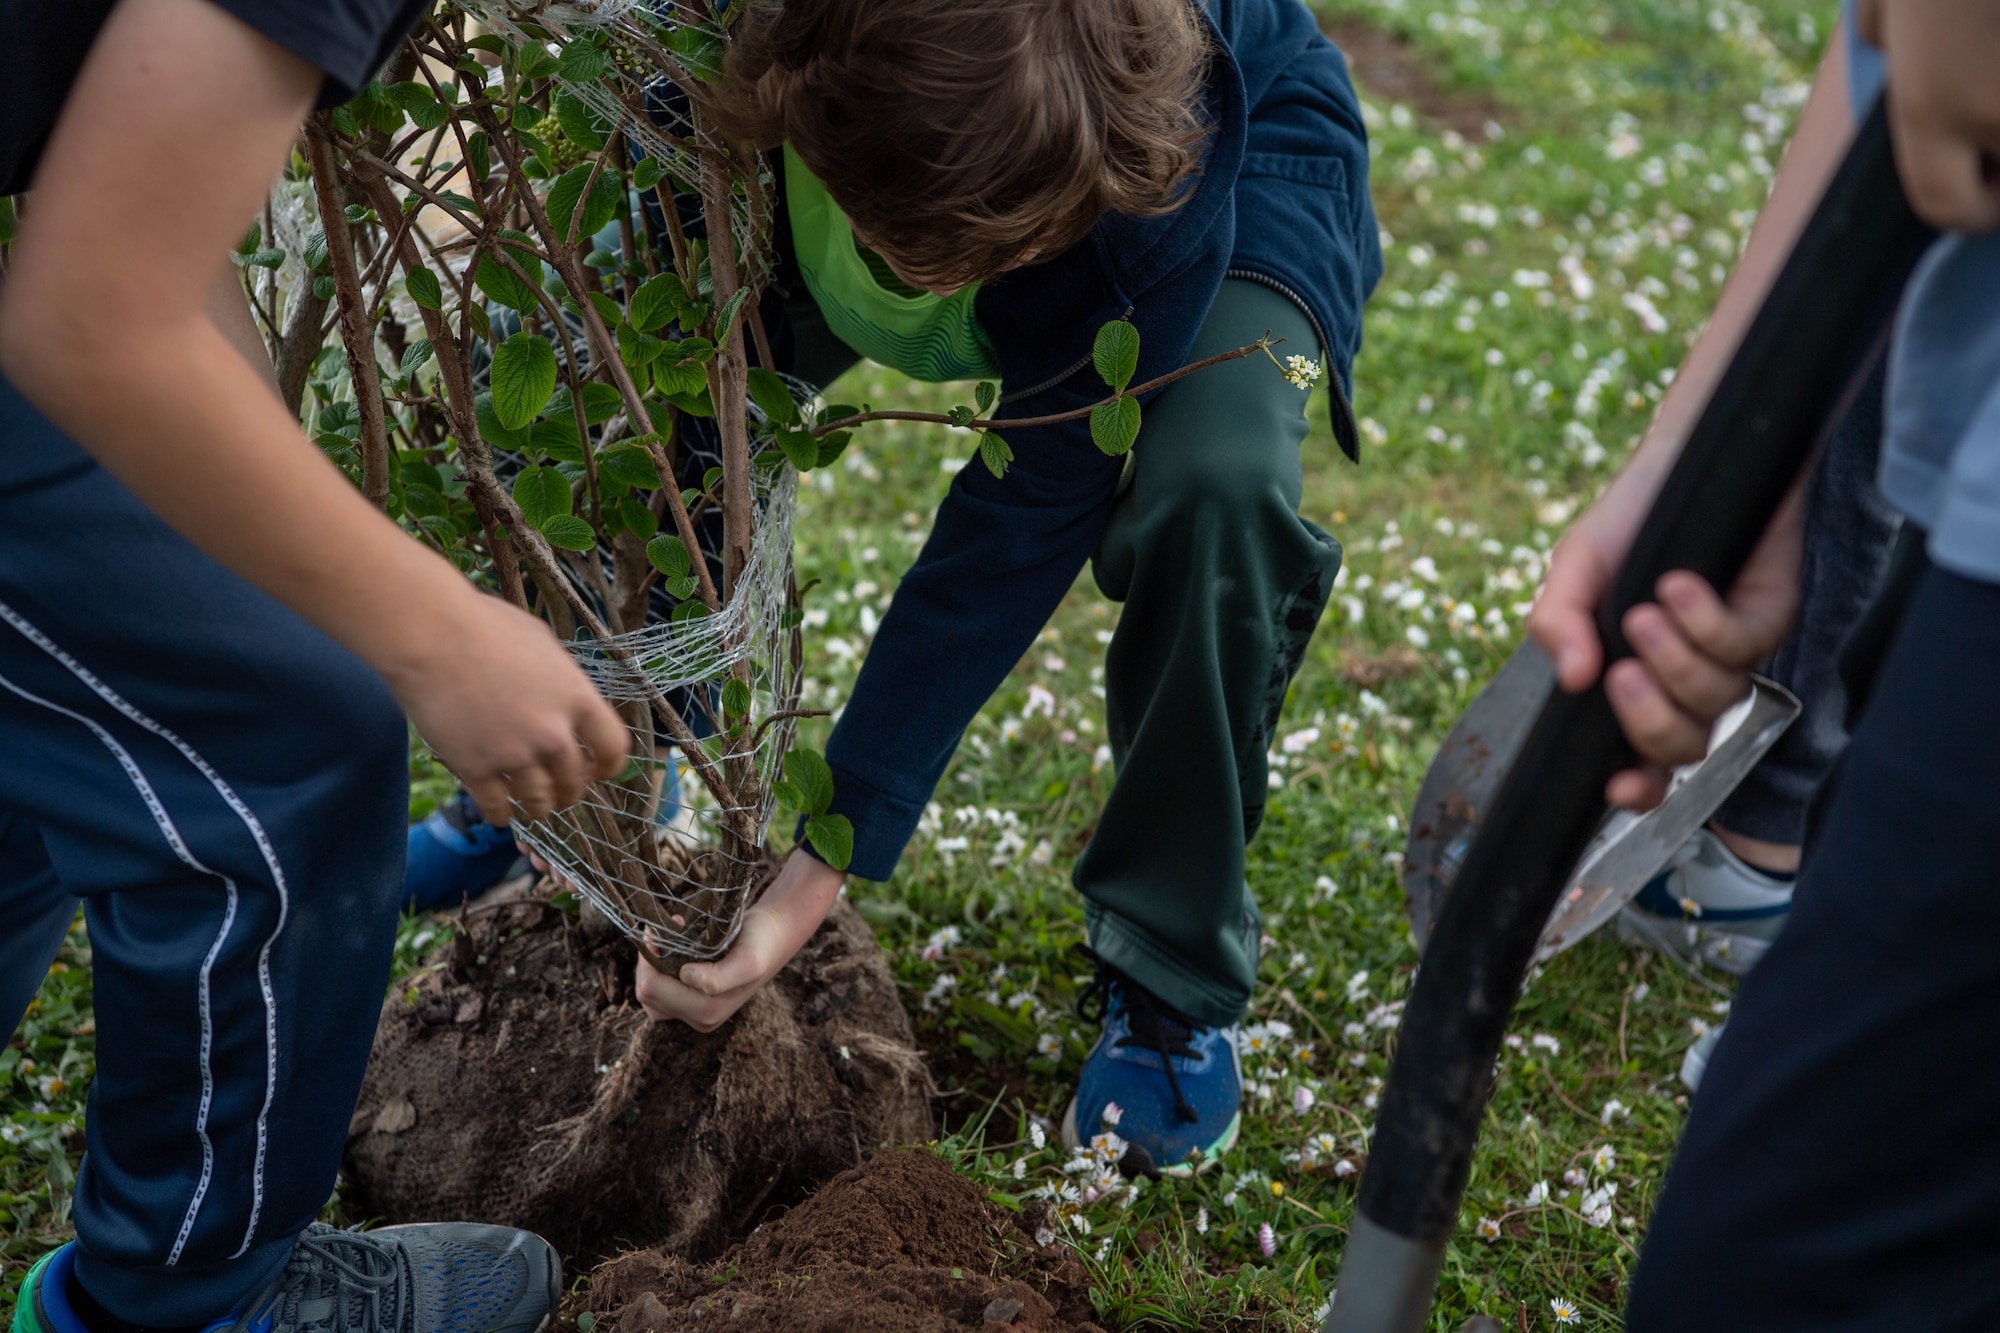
pixel 1628 850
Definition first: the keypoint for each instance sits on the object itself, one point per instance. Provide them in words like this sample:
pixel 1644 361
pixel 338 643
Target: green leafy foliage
pixel 580 125
pixel 580 62
pixel 569 532
pixel 700 51
pixel 773 397
pixel 542 493
pixel 424 288
pixel 600 403
pixel 1115 353
pixel 574 217
pixel 503 286
pixel 800 447
pixel 1115 425
pixel 811 782
pixel 995 453
pixel 657 302
pixel 985 395
pixel 630 466
pixel 832 836
pixel 735 699
pixel 669 555
pixel 524 377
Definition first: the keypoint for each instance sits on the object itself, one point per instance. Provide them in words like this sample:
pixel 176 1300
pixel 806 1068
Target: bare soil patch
pixel 1390 68
pixel 899 1245
pixel 516 1081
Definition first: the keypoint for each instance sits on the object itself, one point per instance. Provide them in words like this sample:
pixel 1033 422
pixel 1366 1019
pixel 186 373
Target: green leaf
pixel 542 493
pixel 415 355
pixel 482 324
pixel 490 428
pixel 725 319
pixel 960 415
pixel 657 301
pixel 994 452
pixel 323 288
pixel 524 375
pixel 580 124
pixel 668 554
pixel 681 586
pixel 344 121
pixel 1114 425
pixel 735 699
pixel 487 42
pixel 1116 353
pixel 555 437
pixel 601 402
pixel 832 446
pixel 689 609
pixel 424 288
pixel 638 350
pixel 773 397
pixel 580 62
pixel 677 381
pixel 569 532
pixel 573 222
pixel 479 155
pixel 650 172
pixel 700 51
pixel 800 447
pixel 631 465
pixel 638 519
pixel 809 773
pixel 985 395
pixel 265 259
pixel 788 794
pixel 607 309
pixel 419 103
pixel 315 255
pixel 833 838
pixel 534 61
pixel 503 286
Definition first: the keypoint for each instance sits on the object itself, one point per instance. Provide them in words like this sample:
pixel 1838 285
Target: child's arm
pixel 178 122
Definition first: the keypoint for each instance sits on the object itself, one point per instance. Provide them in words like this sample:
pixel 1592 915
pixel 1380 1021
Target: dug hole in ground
pixel 516 1080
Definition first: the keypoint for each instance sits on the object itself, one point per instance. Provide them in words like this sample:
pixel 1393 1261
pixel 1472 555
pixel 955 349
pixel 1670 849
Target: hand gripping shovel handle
pixel 1755 435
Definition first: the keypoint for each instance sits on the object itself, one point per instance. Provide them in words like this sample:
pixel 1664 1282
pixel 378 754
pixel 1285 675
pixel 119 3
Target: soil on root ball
pixel 899 1245
pixel 517 1081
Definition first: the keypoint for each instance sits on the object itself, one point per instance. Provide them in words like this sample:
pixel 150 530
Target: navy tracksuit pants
pixel 224 789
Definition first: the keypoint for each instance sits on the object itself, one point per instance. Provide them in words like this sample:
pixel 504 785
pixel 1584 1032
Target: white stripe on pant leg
pixel 264 847
pixel 164 822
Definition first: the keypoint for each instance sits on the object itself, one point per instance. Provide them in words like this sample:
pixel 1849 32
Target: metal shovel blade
pixel 1628 850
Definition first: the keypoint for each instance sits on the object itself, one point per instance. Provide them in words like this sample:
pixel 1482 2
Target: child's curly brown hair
pixel 961 136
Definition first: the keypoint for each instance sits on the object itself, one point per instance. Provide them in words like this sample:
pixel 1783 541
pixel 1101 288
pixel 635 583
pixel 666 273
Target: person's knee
pixel 1217 469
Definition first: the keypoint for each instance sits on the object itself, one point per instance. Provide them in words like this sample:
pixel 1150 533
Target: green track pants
pixel 1222 584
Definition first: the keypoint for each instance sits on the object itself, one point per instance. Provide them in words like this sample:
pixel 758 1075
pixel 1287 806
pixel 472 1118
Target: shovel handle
pixel 1755 435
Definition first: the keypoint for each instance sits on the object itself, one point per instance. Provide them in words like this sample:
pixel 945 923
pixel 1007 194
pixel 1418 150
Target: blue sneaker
pixel 438 1277
pixel 1169 1088
pixel 455 856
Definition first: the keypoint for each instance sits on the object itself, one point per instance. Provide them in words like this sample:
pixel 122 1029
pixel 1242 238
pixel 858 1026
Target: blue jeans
pixel 224 789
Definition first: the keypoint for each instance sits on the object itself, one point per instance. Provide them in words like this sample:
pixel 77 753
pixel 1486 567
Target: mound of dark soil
pixel 900 1245
pixel 517 1081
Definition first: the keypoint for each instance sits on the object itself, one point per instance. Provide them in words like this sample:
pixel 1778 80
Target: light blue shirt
pixel 1941 441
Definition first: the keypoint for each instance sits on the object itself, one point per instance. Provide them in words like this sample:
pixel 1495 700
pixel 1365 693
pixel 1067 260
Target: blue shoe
pixel 439 1277
pixel 455 856
pixel 1170 1088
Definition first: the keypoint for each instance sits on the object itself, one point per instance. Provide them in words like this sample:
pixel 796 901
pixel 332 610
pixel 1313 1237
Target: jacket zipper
pixel 1344 428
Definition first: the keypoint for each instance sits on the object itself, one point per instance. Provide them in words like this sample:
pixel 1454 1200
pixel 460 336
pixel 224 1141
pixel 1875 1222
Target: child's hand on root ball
pixel 704 995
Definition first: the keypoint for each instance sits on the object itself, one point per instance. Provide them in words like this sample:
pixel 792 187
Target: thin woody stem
pixel 357 329
pixel 1056 418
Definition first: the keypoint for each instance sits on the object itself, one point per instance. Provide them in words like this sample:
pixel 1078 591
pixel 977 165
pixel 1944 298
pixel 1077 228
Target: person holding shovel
pixel 972 189
pixel 208 641
pixel 1841 1166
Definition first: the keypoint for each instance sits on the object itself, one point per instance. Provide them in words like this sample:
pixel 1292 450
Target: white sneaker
pixel 1709 906
pixel 1695 1063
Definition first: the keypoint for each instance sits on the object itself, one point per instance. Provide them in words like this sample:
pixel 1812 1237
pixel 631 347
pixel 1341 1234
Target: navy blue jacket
pixel 1282 199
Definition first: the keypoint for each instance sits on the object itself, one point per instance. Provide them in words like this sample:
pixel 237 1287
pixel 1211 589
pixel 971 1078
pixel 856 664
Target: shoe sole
pixel 1179 1170
pixel 1723 949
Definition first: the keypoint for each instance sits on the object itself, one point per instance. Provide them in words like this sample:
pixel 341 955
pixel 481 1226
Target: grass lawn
pixel 1562 186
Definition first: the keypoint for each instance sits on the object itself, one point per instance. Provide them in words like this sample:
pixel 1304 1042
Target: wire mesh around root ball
pixel 675 869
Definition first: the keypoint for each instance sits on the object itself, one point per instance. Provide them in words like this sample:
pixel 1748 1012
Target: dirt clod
pixel 900 1245
pixel 518 1082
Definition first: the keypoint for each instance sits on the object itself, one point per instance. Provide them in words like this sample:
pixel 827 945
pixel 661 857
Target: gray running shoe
pixel 436 1277
pixel 1709 906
